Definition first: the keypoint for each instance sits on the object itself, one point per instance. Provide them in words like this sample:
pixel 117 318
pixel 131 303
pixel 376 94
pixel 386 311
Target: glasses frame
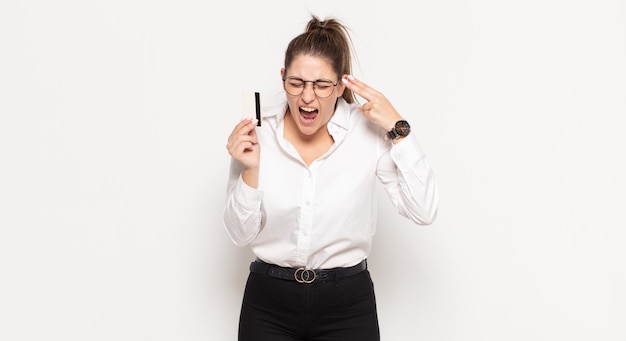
pixel 312 82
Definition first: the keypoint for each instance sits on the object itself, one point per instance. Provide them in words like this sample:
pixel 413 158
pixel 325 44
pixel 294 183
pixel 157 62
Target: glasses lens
pixel 323 89
pixel 294 86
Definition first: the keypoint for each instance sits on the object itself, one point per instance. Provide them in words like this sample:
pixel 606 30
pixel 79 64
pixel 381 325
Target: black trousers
pixel 282 310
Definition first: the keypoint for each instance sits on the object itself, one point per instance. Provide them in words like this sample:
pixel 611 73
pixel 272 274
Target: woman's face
pixel 310 112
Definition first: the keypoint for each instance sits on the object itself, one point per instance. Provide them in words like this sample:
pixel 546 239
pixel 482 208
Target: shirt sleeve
pixel 409 181
pixel 242 215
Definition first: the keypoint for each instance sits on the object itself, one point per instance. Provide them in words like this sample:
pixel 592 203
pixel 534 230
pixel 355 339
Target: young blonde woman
pixel 301 194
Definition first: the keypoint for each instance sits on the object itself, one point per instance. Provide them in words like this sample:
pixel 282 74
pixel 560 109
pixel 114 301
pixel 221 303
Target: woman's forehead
pixel 311 67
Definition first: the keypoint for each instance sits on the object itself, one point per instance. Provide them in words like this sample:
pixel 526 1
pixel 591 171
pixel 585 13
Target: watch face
pixel 403 128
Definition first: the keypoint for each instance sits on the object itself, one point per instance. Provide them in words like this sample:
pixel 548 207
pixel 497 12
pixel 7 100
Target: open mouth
pixel 308 115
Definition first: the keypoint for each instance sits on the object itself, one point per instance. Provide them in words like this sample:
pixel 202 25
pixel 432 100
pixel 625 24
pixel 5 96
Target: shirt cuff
pixel 406 152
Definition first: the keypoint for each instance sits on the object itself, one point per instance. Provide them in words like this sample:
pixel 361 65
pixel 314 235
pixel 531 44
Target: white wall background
pixel 113 123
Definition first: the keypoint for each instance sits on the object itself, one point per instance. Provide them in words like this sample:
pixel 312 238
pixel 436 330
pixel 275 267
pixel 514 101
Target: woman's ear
pixel 282 73
pixel 341 86
pixel 341 89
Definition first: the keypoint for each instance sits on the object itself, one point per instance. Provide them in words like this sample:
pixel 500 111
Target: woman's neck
pixel 310 147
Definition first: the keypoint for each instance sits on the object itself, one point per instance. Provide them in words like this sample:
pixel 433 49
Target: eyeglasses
pixel 321 87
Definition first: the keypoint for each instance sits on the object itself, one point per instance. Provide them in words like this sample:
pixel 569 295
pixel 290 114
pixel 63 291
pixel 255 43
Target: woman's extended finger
pixel 359 87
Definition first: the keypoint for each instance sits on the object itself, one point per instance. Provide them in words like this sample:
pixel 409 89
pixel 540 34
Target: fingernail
pixel 254 121
pixel 343 80
pixel 350 77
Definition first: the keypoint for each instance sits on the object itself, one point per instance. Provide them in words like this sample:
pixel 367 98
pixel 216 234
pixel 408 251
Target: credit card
pixel 251 105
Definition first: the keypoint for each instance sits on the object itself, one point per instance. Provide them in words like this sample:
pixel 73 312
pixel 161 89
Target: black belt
pixel 304 275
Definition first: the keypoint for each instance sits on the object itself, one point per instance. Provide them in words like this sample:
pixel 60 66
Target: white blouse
pixel 324 215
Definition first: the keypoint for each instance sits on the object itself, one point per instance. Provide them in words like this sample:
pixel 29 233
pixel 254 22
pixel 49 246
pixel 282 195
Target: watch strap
pixel 392 134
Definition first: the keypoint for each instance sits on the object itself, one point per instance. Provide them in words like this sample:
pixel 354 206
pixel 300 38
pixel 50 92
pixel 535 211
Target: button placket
pixel 306 217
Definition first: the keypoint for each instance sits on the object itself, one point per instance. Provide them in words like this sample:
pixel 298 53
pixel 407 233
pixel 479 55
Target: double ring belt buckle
pixel 304 275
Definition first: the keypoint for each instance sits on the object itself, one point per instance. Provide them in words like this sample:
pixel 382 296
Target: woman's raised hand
pixel 243 146
pixel 378 109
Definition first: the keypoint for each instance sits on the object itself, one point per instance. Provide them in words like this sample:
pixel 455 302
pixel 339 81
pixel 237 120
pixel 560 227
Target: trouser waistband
pixel 304 275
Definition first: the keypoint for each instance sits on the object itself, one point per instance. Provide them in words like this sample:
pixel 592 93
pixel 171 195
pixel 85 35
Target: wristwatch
pixel 401 129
